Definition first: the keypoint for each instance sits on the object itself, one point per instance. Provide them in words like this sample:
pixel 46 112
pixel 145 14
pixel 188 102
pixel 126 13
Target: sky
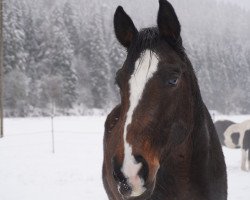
pixel 243 3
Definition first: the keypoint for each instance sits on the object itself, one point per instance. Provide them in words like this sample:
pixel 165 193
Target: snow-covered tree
pixel 60 55
pixel 16 93
pixel 71 43
pixel 15 54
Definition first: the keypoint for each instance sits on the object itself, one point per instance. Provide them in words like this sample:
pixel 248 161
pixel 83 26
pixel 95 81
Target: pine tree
pixel 16 93
pixel 98 61
pixel 60 57
pixel 14 37
pixel 70 25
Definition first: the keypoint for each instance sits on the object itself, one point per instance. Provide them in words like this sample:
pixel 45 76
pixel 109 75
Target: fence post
pixel 1 68
pixel 52 126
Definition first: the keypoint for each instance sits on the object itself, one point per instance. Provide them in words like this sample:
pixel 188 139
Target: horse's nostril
pixel 125 189
pixel 144 169
pixel 117 174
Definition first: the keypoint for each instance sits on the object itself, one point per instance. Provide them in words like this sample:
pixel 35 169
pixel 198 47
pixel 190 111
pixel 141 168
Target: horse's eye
pixel 172 81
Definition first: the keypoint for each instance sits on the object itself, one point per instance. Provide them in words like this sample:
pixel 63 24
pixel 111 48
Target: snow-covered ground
pixel 30 171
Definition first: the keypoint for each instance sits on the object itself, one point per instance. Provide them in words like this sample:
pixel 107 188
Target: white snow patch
pixel 28 169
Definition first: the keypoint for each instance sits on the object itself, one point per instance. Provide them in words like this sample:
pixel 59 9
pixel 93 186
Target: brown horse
pixel 160 142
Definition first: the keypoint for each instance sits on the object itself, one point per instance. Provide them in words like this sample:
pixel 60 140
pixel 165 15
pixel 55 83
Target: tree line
pixel 63 53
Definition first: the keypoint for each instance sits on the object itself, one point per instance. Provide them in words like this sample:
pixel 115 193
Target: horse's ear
pixel 168 23
pixel 125 30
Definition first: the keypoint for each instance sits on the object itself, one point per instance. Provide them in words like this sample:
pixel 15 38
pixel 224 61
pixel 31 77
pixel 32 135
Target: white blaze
pixel 145 67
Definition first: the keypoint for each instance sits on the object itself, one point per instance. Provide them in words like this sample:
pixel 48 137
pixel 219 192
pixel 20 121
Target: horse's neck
pixel 184 169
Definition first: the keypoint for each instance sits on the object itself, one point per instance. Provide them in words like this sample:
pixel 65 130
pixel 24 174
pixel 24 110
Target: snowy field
pixel 30 171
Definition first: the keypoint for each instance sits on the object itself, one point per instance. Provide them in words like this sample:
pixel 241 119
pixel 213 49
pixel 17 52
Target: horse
pixel 238 136
pixel 221 126
pixel 160 142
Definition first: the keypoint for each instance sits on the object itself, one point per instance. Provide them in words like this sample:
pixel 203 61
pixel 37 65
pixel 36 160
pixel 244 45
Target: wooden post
pixel 1 68
pixel 52 126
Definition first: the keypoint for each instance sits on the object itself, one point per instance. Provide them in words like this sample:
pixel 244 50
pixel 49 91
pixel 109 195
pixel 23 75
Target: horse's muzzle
pixel 130 186
pixel 125 190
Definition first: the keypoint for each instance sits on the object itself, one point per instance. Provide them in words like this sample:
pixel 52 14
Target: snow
pixel 30 171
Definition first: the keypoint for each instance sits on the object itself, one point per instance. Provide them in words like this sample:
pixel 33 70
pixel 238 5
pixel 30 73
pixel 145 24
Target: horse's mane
pixel 149 38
